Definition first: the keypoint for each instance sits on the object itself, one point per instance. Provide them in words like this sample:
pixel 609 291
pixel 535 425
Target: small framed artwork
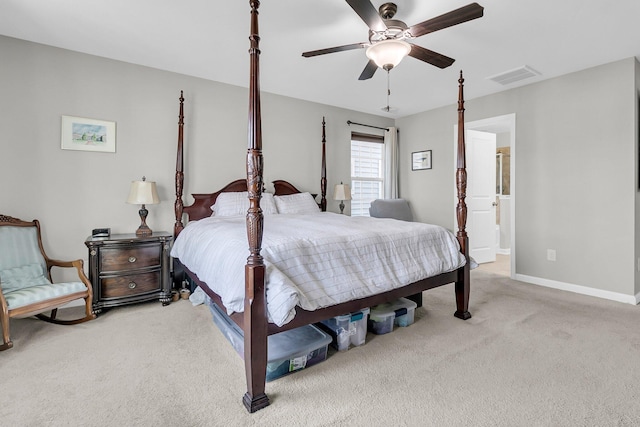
pixel 421 160
pixel 79 133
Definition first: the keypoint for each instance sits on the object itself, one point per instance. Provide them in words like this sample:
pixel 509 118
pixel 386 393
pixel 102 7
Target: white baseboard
pixel 501 251
pixel 584 290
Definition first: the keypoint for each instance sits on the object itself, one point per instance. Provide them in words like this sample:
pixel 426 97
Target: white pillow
pixel 268 204
pixel 299 203
pixel 237 203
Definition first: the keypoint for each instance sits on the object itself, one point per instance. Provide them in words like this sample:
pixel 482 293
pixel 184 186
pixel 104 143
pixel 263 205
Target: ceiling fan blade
pixel 334 49
pixel 368 71
pixel 431 57
pixel 368 13
pixel 455 17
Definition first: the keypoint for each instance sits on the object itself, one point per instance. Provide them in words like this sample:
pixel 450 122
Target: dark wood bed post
pixel 179 206
pixel 255 305
pixel 323 174
pixel 463 283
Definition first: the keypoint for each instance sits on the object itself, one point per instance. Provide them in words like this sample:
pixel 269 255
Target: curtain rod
pixel 349 122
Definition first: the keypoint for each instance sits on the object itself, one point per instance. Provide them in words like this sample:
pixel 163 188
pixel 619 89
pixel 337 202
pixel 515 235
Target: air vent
pixel 512 76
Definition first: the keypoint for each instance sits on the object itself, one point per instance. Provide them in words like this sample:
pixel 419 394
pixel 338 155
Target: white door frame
pixel 498 124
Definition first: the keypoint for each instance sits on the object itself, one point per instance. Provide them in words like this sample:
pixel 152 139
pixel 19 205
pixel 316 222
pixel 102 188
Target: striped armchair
pixel 26 288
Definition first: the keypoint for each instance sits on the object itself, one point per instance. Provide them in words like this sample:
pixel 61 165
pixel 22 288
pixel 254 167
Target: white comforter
pixel 316 260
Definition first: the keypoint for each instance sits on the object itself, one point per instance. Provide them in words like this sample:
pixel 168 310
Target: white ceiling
pixel 209 39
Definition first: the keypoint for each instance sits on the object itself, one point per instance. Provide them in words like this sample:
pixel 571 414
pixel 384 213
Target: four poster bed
pixel 254 312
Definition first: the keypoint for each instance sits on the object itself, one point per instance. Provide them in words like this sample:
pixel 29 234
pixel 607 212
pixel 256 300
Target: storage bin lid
pixel 358 315
pixel 296 341
pixel 382 316
pixel 397 307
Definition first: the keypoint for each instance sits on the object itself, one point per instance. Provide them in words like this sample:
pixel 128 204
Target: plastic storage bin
pixel 359 320
pixel 287 351
pixel 347 329
pixel 381 322
pixel 339 328
pixel 399 312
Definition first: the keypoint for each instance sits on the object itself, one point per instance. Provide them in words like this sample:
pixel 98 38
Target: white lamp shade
pixel 342 192
pixel 388 53
pixel 143 193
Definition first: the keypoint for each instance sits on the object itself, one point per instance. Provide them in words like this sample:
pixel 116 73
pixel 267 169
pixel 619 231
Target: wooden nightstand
pixel 126 269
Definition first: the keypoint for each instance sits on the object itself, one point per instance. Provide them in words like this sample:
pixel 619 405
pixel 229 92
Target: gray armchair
pixel 391 208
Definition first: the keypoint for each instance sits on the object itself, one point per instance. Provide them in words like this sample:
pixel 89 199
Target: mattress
pixel 316 260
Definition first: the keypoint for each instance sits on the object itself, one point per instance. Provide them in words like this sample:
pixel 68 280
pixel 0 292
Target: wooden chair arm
pixel 78 264
pixel 58 263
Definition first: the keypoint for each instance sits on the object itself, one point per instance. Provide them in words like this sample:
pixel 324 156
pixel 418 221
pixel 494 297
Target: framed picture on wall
pixel 84 134
pixel 421 160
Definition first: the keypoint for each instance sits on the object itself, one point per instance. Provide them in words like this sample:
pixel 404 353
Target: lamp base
pixel 341 206
pixel 143 230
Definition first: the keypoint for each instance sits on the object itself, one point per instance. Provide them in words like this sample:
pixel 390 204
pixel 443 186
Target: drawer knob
pixel 132 285
pixel 132 259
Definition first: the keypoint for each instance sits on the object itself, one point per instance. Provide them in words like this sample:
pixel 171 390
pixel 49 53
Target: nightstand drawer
pixel 122 286
pixel 119 259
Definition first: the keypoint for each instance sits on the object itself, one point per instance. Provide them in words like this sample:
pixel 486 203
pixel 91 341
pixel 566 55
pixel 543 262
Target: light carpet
pixel 530 356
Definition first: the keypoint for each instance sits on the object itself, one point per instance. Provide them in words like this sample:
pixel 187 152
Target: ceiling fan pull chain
pixel 388 90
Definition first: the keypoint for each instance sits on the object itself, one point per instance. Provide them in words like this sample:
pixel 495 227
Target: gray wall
pixel 72 192
pixel 576 173
pixel 576 155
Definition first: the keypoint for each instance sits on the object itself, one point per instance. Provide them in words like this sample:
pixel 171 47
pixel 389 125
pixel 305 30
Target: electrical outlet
pixel 551 254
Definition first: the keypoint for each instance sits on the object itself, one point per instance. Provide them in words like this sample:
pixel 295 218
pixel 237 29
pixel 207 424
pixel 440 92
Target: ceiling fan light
pixel 388 53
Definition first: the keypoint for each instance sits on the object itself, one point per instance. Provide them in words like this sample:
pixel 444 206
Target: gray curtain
pixel 391 186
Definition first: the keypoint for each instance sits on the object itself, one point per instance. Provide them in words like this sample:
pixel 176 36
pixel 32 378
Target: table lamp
pixel 341 192
pixel 143 193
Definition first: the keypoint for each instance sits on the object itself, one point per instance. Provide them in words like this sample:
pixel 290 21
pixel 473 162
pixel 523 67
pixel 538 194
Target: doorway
pixel 505 129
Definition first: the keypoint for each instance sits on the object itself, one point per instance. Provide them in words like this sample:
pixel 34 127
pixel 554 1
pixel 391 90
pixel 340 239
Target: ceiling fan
pixel 389 38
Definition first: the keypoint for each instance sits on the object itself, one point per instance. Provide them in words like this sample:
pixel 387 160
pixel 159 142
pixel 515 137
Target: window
pixel 367 172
